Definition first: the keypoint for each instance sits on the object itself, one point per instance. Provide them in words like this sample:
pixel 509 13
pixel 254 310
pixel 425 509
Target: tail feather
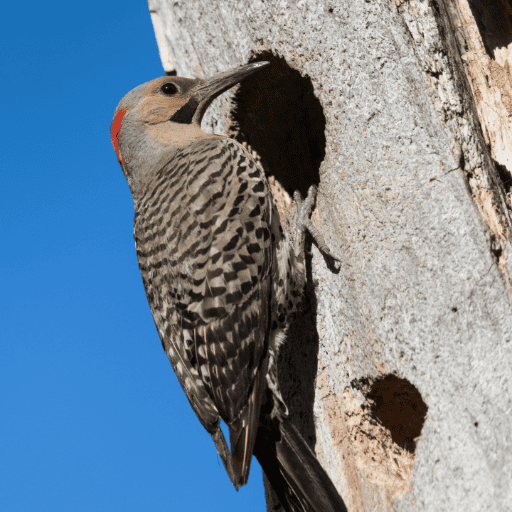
pixel 243 431
pixel 242 436
pixel 298 479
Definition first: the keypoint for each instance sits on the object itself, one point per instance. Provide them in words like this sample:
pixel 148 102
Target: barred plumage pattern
pixel 222 281
pixel 222 278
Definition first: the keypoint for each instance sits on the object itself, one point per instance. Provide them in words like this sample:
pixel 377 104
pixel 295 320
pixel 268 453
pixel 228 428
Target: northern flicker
pixel 221 276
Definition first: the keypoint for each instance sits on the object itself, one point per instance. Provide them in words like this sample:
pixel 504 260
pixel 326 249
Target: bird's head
pixel 157 118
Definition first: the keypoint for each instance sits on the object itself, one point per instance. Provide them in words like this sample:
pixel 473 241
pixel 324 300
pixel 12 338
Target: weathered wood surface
pixel 371 100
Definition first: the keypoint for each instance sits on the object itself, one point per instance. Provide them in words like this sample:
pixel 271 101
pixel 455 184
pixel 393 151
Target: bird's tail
pixel 291 467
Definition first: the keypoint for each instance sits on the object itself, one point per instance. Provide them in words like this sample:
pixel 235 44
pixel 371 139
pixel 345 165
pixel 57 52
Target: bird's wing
pixel 202 232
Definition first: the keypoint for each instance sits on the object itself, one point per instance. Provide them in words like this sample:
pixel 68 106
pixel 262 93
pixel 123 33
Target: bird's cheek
pixel 154 110
pixel 157 115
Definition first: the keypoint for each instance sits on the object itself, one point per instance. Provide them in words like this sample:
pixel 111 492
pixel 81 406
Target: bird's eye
pixel 169 89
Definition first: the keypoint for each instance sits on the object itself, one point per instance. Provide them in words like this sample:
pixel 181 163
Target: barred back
pixel 203 240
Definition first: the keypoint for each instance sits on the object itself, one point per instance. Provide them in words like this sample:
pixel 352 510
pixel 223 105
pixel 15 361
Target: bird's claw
pixel 303 221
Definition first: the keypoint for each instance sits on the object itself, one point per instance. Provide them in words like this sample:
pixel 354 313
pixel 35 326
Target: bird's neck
pixel 145 151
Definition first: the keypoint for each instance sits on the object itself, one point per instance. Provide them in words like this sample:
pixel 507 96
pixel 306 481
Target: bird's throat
pixel 146 151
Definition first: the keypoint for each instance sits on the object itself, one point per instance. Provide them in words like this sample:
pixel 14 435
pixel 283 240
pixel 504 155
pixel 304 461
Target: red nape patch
pixel 114 131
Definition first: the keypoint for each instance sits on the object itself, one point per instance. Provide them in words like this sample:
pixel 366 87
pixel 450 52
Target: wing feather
pixel 203 242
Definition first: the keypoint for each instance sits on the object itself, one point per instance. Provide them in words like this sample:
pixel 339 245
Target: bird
pixel 222 277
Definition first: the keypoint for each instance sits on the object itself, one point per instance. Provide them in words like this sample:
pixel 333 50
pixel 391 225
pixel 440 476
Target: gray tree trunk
pixel 400 371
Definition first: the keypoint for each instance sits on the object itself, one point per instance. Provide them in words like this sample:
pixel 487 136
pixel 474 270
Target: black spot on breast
pixel 246 287
pixel 211 274
pixel 231 244
pixel 252 248
pixel 217 291
pixel 195 297
pixel 248 260
pixel 256 211
pixel 238 200
pixel 233 298
pixel 227 257
pixel 221 228
pixel 239 265
pixel 230 276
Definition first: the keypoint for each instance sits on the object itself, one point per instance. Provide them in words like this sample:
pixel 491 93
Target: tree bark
pixel 399 372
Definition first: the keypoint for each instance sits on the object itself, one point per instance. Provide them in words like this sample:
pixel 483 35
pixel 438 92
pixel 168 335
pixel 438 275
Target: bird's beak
pixel 208 90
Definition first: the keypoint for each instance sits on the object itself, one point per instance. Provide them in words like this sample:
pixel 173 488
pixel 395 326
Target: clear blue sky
pixel 92 416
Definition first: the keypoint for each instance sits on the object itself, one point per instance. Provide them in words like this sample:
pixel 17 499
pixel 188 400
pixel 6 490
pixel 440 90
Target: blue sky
pixel 92 415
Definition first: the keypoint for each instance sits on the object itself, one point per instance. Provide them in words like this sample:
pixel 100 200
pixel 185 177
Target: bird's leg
pixel 303 222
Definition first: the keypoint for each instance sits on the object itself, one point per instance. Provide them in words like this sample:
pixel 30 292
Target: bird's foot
pixel 303 222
